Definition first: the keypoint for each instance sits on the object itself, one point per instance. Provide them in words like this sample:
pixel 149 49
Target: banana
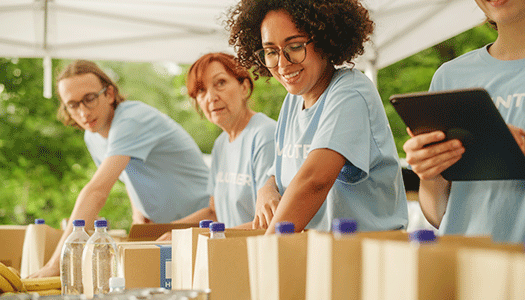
pixel 48 292
pixel 40 284
pixel 5 286
pixel 11 277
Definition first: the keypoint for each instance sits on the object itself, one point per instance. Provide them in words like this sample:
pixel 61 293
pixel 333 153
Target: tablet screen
pixel 491 153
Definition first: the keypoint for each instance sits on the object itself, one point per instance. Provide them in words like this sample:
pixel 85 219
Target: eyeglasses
pixel 294 53
pixel 90 101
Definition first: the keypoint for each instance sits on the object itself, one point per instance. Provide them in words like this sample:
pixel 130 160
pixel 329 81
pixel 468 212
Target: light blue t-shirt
pixel 494 208
pixel 239 169
pixel 166 176
pixel 348 118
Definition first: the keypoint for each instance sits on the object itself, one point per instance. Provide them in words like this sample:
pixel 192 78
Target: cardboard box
pixel 151 232
pixel 12 241
pixel 222 264
pixel 145 264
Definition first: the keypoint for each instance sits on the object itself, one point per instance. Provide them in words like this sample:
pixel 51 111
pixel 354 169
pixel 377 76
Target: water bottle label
pixel 165 266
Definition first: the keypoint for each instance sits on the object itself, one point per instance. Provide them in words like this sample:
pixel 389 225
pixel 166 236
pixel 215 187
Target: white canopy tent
pixel 182 30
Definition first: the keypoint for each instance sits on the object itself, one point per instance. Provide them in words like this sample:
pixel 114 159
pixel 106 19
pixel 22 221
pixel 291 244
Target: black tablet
pixel 491 153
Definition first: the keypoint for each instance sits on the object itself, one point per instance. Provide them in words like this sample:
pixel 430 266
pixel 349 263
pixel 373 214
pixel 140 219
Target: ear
pixel 245 86
pixel 110 93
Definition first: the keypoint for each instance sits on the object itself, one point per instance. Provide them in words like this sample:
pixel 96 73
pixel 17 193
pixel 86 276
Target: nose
pixel 211 95
pixel 83 110
pixel 283 61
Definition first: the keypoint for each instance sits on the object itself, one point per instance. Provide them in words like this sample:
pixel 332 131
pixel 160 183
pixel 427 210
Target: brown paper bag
pixel 281 266
pixel 491 274
pixel 222 264
pixel 333 269
pixel 12 241
pixel 40 242
pixel 429 271
pixel 184 249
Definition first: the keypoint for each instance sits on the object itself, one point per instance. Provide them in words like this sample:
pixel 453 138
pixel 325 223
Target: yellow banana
pixel 5 286
pixel 48 292
pixel 11 277
pixel 40 284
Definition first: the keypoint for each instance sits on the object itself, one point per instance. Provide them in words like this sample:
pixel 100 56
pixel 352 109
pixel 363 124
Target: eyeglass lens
pixel 294 53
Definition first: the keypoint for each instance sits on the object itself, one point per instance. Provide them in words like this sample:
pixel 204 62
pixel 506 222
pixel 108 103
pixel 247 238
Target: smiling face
pixel 97 119
pixel 309 78
pixel 222 98
pixel 504 12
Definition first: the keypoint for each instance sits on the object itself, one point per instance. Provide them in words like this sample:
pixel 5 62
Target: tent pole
pixel 371 72
pixel 48 85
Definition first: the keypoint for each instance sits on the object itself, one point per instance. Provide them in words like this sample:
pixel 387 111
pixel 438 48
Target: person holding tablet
pixel 335 153
pixel 495 208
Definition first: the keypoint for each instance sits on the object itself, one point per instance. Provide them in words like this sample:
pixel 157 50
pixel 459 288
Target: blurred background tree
pixel 44 164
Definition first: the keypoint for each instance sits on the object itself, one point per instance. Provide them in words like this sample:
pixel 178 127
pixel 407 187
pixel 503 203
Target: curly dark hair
pixel 339 28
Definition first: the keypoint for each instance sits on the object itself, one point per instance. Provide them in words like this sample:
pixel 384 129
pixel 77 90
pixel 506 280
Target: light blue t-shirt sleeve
pixel 132 137
pixel 344 127
pixel 263 156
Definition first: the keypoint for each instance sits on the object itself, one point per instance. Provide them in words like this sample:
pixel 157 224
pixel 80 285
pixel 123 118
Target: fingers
pixel 519 136
pixel 428 161
pixel 165 237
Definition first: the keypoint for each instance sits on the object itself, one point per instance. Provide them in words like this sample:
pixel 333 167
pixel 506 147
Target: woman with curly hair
pixel 335 153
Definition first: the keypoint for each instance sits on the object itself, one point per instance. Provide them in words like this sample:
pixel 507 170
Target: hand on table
pixel 267 201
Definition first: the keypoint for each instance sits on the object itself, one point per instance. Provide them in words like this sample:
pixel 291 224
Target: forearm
pixel 433 198
pixel 87 206
pixel 203 214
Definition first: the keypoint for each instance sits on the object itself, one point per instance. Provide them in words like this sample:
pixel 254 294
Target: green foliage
pixel 44 164
pixel 414 73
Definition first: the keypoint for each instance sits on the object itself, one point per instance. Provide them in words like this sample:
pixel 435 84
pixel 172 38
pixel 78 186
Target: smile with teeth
pixel 291 75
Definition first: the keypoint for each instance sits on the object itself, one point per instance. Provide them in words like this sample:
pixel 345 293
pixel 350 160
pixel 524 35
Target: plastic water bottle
pixel 117 285
pixel 284 228
pixel 217 230
pixel 423 236
pixel 71 260
pixel 99 261
pixel 342 228
pixel 40 221
pixel 205 223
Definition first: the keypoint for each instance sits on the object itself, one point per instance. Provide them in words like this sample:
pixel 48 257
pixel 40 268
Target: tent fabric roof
pixel 183 30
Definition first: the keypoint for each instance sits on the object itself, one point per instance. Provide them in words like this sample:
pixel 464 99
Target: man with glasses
pixel 160 164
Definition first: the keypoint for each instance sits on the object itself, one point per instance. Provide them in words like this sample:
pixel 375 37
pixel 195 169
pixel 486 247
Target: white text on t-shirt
pixel 235 178
pixel 293 151
pixel 507 101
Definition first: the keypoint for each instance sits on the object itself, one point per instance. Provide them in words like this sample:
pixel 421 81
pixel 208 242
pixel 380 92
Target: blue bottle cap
pixel 40 221
pixel 344 226
pixel 284 227
pixel 422 236
pixel 216 226
pixel 205 223
pixel 101 223
pixel 79 222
